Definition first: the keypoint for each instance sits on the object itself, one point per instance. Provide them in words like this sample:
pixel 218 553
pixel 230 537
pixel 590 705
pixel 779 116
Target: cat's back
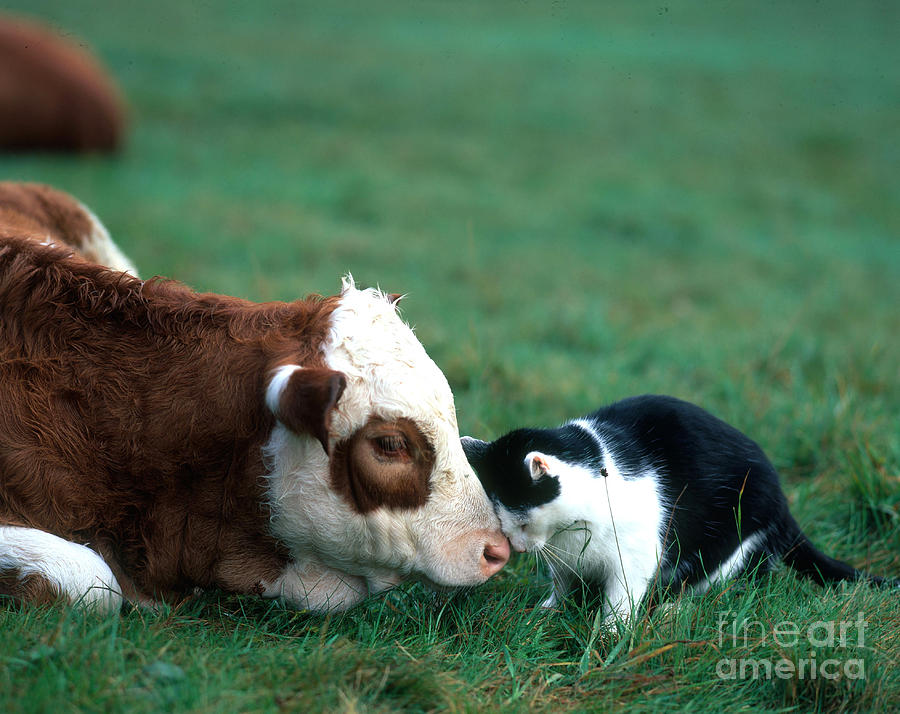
pixel 677 432
pixel 656 416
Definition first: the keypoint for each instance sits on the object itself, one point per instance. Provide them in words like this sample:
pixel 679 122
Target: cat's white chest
pixel 607 530
pixel 620 522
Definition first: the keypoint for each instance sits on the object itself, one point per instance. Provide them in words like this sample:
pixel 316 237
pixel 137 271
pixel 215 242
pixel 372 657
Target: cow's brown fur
pixel 54 95
pixel 28 588
pixel 133 417
pixel 43 213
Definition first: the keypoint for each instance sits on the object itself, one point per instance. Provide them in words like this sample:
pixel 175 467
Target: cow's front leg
pixel 309 585
pixel 39 567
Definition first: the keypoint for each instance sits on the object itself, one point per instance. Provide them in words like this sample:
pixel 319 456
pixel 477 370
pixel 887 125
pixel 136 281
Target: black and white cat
pixel 649 487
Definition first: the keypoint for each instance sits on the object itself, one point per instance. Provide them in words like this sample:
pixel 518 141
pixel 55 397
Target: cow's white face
pixel 396 498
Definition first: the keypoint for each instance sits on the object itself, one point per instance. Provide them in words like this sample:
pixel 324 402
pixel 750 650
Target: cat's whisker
pixel 551 561
pixel 545 558
pixel 562 552
pixel 550 551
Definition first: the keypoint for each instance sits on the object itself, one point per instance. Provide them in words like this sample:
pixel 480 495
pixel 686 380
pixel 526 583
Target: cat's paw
pixel 669 608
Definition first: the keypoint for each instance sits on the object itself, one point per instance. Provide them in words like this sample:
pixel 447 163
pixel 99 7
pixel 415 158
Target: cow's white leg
pixel 310 585
pixel 33 561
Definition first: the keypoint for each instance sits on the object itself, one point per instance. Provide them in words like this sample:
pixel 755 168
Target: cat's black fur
pixel 716 492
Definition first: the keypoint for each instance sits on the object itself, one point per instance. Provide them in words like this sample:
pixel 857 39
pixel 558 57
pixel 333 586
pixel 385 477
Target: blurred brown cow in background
pixel 54 96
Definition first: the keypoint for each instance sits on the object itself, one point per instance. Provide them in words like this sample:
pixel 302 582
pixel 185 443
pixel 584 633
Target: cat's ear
pixel 537 465
pixel 474 449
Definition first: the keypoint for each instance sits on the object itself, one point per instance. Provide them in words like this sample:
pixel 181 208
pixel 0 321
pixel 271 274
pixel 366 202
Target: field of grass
pixel 583 201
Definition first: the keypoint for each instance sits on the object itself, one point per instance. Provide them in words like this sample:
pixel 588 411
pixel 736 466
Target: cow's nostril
pixel 494 557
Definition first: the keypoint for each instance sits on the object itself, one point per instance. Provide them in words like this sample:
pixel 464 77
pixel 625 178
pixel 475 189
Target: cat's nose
pixel 494 556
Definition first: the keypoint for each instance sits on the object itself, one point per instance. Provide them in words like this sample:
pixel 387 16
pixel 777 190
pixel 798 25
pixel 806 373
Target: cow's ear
pixel 302 398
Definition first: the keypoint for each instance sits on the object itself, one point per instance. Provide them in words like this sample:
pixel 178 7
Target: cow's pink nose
pixel 494 557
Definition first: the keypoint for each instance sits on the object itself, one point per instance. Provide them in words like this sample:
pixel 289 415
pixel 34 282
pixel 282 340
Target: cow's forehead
pixel 388 370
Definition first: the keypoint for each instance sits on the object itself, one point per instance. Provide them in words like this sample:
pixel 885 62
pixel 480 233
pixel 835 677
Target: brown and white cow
pixel 154 440
pixel 44 214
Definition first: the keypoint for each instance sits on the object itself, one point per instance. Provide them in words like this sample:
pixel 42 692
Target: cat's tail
pixel 812 563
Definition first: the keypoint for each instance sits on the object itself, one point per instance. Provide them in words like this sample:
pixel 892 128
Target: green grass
pixel 583 201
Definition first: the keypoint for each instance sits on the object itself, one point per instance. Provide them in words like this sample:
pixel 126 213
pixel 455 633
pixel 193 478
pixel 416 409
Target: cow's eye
pixel 393 445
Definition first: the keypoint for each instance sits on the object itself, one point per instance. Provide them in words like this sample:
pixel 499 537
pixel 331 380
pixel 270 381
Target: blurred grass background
pixel 582 201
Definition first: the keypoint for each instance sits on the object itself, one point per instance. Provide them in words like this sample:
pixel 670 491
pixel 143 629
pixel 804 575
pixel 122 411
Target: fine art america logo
pixel 747 634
